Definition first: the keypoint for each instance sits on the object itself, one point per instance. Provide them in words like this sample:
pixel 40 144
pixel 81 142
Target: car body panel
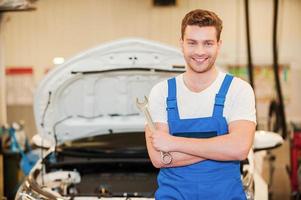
pixel 94 92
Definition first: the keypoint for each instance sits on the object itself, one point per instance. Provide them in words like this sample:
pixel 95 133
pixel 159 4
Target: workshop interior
pixel 75 76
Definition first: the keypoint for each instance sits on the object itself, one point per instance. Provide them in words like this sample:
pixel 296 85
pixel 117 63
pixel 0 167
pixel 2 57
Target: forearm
pixel 181 159
pixel 178 158
pixel 219 148
pixel 232 146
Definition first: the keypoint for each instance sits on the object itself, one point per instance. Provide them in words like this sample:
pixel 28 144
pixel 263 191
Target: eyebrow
pixel 192 40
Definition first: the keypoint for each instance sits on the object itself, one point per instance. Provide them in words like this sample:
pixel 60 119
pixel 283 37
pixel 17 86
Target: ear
pixel 219 43
pixel 181 43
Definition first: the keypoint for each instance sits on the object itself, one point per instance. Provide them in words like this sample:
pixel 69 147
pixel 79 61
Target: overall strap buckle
pixel 171 100
pixel 171 103
pixel 219 100
pixel 220 97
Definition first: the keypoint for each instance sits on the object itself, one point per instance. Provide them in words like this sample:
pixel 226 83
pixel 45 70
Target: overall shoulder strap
pixel 221 96
pixel 171 100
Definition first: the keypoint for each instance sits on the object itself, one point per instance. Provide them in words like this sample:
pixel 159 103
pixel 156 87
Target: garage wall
pixel 66 27
pixel 2 82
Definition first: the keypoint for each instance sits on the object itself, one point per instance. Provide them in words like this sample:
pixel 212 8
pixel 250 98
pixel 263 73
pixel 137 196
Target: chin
pixel 200 69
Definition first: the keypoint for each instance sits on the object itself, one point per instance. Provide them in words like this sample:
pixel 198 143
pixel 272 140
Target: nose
pixel 199 50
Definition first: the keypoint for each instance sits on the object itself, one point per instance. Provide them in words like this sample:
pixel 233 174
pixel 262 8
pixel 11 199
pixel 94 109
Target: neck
pixel 197 82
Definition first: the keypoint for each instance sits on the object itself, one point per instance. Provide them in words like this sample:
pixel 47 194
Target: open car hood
pixel 94 92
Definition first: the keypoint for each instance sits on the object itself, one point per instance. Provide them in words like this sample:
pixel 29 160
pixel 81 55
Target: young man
pixel 204 118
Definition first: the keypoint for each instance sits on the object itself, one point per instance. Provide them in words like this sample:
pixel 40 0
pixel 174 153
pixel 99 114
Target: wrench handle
pixel 165 156
pixel 149 120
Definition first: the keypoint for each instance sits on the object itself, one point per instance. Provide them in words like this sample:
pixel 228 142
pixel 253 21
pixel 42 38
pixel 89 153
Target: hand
pixel 162 141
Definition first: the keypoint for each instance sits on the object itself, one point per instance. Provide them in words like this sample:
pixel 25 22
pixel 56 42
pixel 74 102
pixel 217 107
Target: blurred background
pixel 36 36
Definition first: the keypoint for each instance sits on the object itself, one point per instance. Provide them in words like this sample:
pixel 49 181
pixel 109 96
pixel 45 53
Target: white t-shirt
pixel 239 103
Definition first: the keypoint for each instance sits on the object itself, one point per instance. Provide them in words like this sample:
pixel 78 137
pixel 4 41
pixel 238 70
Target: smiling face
pixel 200 48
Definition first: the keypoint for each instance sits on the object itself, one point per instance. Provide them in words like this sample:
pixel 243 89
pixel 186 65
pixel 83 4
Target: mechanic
pixel 204 118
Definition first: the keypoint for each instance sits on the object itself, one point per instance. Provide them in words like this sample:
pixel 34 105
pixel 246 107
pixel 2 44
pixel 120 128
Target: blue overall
pixel 209 179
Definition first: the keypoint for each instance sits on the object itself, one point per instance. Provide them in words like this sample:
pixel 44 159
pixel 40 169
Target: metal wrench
pixel 142 106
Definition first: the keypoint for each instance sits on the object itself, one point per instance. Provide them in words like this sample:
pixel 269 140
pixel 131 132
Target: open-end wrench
pixel 142 106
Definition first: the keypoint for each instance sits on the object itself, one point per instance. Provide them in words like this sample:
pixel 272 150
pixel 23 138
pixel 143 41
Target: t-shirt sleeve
pixel 157 102
pixel 243 103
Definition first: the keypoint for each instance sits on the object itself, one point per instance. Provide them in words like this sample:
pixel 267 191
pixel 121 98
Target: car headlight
pixel 30 190
pixel 22 194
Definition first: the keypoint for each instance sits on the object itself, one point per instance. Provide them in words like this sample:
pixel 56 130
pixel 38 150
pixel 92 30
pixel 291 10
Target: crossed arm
pixel 185 151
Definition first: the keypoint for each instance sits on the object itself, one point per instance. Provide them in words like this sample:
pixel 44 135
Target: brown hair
pixel 202 18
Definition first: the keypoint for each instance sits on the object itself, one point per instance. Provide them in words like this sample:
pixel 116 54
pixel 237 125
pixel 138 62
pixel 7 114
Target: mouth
pixel 200 60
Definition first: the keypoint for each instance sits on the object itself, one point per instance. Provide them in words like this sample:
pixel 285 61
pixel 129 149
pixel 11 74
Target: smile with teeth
pixel 200 60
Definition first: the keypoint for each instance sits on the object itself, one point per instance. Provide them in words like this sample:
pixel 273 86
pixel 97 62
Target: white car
pixel 85 113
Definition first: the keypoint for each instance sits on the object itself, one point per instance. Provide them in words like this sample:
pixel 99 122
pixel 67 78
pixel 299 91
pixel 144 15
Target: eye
pixel 208 44
pixel 191 43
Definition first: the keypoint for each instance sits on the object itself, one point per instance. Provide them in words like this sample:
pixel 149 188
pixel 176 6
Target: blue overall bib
pixel 209 179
